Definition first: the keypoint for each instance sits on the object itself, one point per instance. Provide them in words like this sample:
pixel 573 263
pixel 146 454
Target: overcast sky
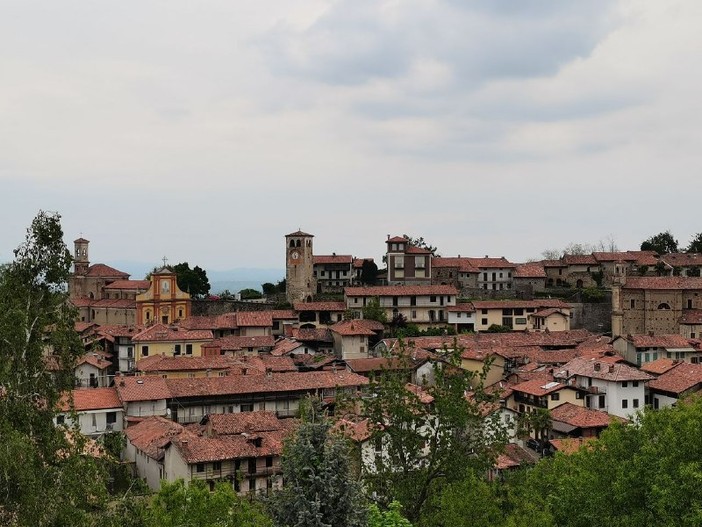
pixel 207 130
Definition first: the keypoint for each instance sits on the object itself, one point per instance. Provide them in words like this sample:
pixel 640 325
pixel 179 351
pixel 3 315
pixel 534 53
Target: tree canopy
pixel 421 243
pixel 695 245
pixel 193 281
pixel 44 479
pixel 369 272
pixel 661 243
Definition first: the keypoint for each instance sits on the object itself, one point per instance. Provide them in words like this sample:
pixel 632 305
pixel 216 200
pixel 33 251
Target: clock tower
pixel 299 278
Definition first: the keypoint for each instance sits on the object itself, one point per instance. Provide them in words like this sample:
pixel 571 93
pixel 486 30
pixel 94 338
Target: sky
pixel 205 131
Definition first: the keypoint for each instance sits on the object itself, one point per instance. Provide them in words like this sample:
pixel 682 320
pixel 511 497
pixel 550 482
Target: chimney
pixel 486 256
pixel 596 366
pixel 611 368
pixel 388 236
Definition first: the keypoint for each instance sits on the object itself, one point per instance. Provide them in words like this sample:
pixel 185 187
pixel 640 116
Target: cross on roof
pixel 164 261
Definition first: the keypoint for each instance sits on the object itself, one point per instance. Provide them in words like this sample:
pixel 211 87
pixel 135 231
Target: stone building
pixel 299 267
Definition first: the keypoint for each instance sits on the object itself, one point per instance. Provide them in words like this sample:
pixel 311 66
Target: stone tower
pixel 618 280
pixel 81 261
pixel 299 278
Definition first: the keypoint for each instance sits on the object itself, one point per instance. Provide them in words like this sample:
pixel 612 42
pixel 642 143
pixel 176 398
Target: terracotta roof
pixel 148 388
pixel 621 256
pixel 464 307
pixel 571 445
pixel 691 316
pixel 275 364
pixel 158 363
pixel 241 422
pixel 81 240
pixel 299 233
pixel 273 383
pixel 538 387
pixel 658 366
pixel 282 314
pixel 356 431
pixel 649 258
pixel 213 322
pixel 371 364
pixel 463 265
pixel 86 399
pixel 285 346
pixel 659 341
pixel 529 270
pixel 580 417
pixel 332 259
pixel 491 263
pixel 663 283
pixel 254 319
pixel 678 379
pixel 357 327
pixel 313 335
pixel 137 285
pixel 358 262
pixel 548 312
pixel 80 327
pixel 401 290
pixel 164 333
pixel 397 239
pixel 578 259
pixel 94 359
pixel 120 331
pixel 152 434
pixel 105 271
pixel 236 342
pixel 521 304
pixel 515 456
pixel 411 249
pixel 319 306
pixel 682 259
pixel 594 368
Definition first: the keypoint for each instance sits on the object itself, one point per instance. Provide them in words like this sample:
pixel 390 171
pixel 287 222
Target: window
pixel 689 303
pixel 633 303
pixel 520 321
pixel 635 403
pixel 399 262
pixel 252 465
pixel 432 298
pixel 484 321
pixel 419 262
pixel 663 306
pixel 625 384
pixel 176 349
pixel 246 407
pixel 625 403
pixel 111 418
pixel 200 467
pixel 217 465
pixel 188 349
pixel 269 461
pixel 555 396
pixel 130 352
pixel 484 311
pixel 60 419
pixel 414 314
pixel 601 401
pixel 519 312
pixel 635 384
pixel 413 300
pixel 144 351
pixel 506 312
pixel 252 484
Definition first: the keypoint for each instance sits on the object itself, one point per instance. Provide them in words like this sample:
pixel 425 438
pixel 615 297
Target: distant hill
pixel 232 279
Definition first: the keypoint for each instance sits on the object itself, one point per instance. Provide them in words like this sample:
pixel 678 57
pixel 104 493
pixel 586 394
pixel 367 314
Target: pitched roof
pixel 529 270
pixel 521 304
pixel 241 422
pixel 619 256
pixel 158 363
pixel 691 316
pixel 659 341
pixel 678 379
pixel 463 265
pixel 284 346
pixel 299 233
pixel 236 342
pixel 164 333
pixel 152 434
pixel 282 314
pixel 538 387
pixel 148 388
pixel 659 366
pixel 94 359
pixel 136 285
pixel 579 259
pixel 371 364
pixel 401 290
pixel 580 417
pixel 596 369
pixel 85 399
pixel 682 259
pixel 312 335
pixel 319 306
pixel 358 262
pixel 463 307
pixel 357 327
pixel 254 319
pixel 397 239
pixel 119 331
pixel 105 271
pixel 515 456
pixel 548 312
pixel 491 263
pixel 332 259
pixel 663 283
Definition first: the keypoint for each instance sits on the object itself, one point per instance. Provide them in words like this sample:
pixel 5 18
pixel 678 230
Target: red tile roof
pixel 332 259
pixel 538 387
pixel 241 422
pixel 105 271
pixel 236 342
pixel 401 290
pixel 119 331
pixel 548 312
pixel 136 285
pixel 491 263
pixel 658 366
pixel 94 359
pixel 86 399
pixel 148 388
pixel 365 366
pixel 319 306
pixel 616 372
pixel 529 270
pixel 356 431
pixel 152 434
pixel 159 363
pixel 621 256
pixel 521 304
pixel 285 346
pixel 679 379
pixel 463 265
pixel 682 259
pixel 254 319
pixel 299 233
pixel 515 456
pixel 659 341
pixel 282 314
pixel 578 259
pixel 691 316
pixel 358 262
pixel 464 307
pixel 580 417
pixel 164 333
pixel 357 327
pixel 397 239
pixel 312 335
pixel 663 283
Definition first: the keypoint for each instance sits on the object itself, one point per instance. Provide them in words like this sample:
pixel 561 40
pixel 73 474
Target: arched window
pixel 292 243
pixel 663 305
pixel 297 243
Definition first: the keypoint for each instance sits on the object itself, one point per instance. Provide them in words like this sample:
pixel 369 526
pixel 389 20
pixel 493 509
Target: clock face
pixel 294 255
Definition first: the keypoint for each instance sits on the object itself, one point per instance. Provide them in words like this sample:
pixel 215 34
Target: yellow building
pixel 475 361
pixel 164 302
pixel 170 341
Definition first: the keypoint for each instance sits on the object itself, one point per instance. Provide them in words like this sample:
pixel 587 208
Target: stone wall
pixel 218 307
pixel 595 317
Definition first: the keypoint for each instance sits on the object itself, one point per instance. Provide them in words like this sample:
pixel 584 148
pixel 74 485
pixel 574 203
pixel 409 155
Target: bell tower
pixel 80 257
pixel 299 278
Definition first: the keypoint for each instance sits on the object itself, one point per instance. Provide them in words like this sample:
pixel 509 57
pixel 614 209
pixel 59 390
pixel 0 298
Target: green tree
pixel 268 289
pixel 369 272
pixel 429 437
pixel 421 243
pixel 281 286
pixel 319 489
pixel 497 328
pixel 193 281
pixel 695 245
pixel 44 477
pixel 392 517
pixel 374 311
pixel 250 294
pixel 661 243
pixel 178 505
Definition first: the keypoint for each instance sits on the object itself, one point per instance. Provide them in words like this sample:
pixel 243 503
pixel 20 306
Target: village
pixel 212 396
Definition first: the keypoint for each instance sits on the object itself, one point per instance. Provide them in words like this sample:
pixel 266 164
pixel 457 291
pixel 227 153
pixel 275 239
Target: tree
pixel 193 281
pixel 497 328
pixel 429 436
pixel 421 243
pixel 661 243
pixel 695 245
pixel 319 490
pixel 369 272
pixel 44 477
pixel 281 286
pixel 374 311
pixel 392 517
pixel 250 294
pixel 269 289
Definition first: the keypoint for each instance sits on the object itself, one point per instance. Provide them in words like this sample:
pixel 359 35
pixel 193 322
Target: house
pixel 423 305
pixel 353 339
pixel 163 302
pixel 613 387
pixel 120 341
pixel 237 323
pixel 143 397
pixel 94 370
pixel 690 323
pixel 513 458
pixel 99 410
pixel 531 395
pixel 407 264
pixel 640 349
pixel 462 317
pixel 529 278
pixel 332 272
pixel 243 449
pixel 494 274
pixel 682 264
pixel 235 345
pixel 312 314
pixel 180 366
pixel 572 420
pixel 456 271
pixel 520 315
pixel 291 347
pixel 282 318
pixel 644 304
pixel 677 383
pixel 171 340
